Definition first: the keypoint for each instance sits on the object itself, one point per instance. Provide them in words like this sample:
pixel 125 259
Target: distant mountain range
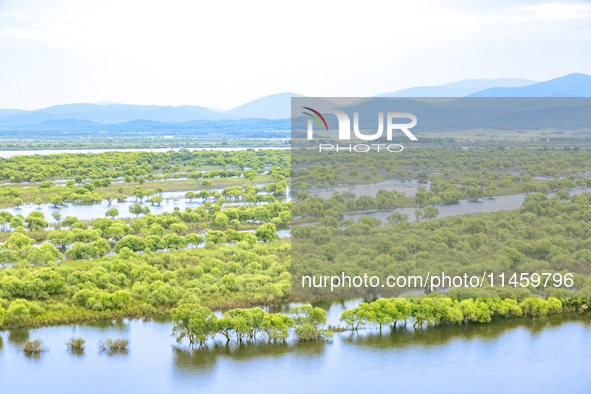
pixel 111 114
pixel 463 113
pixel 571 85
pixel 144 125
pixel 458 89
pixel 277 106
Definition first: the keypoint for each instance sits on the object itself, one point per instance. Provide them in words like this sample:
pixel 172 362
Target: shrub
pixel 76 344
pixel 114 345
pixel 34 347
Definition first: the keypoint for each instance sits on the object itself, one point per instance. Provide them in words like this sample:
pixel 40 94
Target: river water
pixel 545 355
pixel 483 205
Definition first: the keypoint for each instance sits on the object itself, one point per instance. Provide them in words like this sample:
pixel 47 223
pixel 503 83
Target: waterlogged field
pixel 372 235
pixel 189 243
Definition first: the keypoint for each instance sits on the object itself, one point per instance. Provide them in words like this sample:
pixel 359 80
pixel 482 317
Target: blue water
pixel 521 356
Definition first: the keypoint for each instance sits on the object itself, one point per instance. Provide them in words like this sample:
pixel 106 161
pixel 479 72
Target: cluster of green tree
pixel 99 190
pixel 331 211
pixel 250 194
pixel 544 235
pixel 312 169
pixel 174 230
pixel 119 140
pixel 34 221
pixel 89 193
pixel 486 184
pixel 128 284
pixel 214 214
pixel 438 309
pixel 55 142
pixel 471 186
pixel 111 165
pixel 199 323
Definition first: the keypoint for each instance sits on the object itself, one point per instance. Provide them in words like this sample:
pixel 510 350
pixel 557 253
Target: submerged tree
pixel 196 322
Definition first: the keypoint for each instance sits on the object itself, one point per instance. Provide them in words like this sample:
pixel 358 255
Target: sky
pixel 224 53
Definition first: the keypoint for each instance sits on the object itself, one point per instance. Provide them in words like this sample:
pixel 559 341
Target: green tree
pixel 194 239
pixel 266 232
pixel 156 229
pixel 136 209
pixel 36 220
pixel 55 200
pixel 114 232
pixel 356 317
pixel 174 241
pixel 418 214
pixel 112 213
pixel 138 193
pixel 16 222
pixel 18 241
pixel 365 202
pixel 309 322
pixel 56 216
pixel 430 212
pixel 219 220
pixel 399 309
pixel 61 238
pixel 190 196
pixel 178 228
pixel 474 193
pixel 250 174
pixel 396 218
pixel 196 322
pixel 276 326
pixel 18 312
pixel 156 200
pixel 379 312
pixel 226 326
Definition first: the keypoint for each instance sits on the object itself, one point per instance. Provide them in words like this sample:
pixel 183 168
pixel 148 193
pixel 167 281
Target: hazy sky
pixel 224 53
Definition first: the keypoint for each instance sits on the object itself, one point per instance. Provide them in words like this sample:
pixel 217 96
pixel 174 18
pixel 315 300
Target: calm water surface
pixel 548 355
pixel 483 205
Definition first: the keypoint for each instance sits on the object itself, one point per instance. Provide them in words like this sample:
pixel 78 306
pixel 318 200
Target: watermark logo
pixel 316 119
pixel 345 124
